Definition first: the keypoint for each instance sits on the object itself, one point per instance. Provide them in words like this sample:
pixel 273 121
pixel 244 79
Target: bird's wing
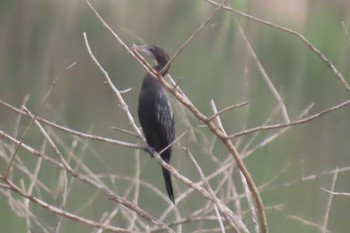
pixel 165 117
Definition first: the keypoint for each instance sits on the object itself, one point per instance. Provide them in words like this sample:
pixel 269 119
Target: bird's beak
pixel 142 48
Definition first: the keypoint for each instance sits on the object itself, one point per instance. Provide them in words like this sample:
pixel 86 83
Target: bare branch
pixel 126 131
pixel 335 193
pixel 115 90
pixel 63 213
pixel 346 32
pixel 329 204
pixel 306 223
pixel 227 109
pixel 264 74
pixel 73 132
pixel 298 122
pixel 194 35
pixel 250 203
pixel 27 129
pixel 233 220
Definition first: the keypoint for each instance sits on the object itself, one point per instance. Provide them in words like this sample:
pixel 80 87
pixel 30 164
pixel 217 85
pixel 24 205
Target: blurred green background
pixel 39 38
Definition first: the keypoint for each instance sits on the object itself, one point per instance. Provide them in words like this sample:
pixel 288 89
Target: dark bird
pixel 155 112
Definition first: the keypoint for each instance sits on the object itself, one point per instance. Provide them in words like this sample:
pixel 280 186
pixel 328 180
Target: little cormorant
pixel 155 112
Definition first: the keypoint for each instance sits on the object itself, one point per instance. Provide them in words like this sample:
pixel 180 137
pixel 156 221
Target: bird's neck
pixel 162 61
pixel 160 66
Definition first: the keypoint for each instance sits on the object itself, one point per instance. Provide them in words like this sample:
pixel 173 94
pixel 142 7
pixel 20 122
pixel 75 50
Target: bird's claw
pixel 150 150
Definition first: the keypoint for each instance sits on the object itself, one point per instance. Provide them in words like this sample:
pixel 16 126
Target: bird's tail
pixel 168 184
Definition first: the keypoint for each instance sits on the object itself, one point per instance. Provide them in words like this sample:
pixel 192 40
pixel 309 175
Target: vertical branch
pixel 346 32
pixel 264 73
pixel 329 203
pixel 27 129
pixel 31 187
pixel 115 90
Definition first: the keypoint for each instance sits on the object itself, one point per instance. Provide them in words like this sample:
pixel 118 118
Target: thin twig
pixel 233 220
pixel 329 203
pixel 346 32
pixel 264 73
pixel 219 219
pixel 50 141
pixel 18 121
pixel 175 141
pixel 227 109
pixel 306 223
pixel 253 138
pixel 125 91
pixel 63 213
pixel 115 90
pixel 335 193
pixel 298 122
pixel 137 186
pixel 31 186
pixel 250 203
pixel 194 35
pixel 126 131
pixel 27 129
pixel 74 132
pixel 272 137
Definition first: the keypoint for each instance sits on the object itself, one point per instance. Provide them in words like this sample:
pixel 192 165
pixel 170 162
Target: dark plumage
pixel 155 112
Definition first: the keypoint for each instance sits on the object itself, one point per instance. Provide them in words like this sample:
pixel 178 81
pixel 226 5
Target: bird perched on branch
pixel 155 112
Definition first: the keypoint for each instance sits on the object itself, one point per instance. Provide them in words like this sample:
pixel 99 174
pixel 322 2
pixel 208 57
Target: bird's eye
pixel 151 49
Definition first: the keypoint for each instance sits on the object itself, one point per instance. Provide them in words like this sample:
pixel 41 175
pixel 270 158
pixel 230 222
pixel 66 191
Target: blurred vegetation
pixel 38 39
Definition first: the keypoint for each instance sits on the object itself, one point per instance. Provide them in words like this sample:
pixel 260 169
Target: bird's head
pixel 156 52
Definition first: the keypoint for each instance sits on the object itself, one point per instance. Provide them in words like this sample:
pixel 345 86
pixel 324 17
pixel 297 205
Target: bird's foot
pixel 150 150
